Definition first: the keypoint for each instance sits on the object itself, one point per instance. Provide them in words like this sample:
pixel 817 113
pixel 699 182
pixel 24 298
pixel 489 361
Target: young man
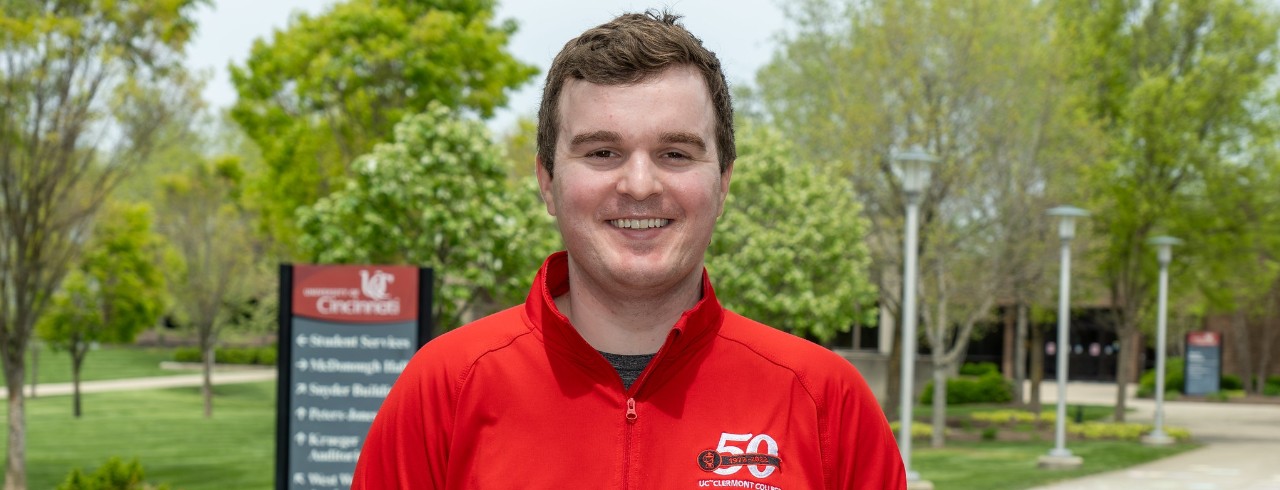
pixel 622 370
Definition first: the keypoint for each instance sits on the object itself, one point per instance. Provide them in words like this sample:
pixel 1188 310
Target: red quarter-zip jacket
pixel 519 400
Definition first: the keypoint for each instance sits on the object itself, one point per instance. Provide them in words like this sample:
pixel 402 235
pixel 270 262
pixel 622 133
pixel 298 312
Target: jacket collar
pixel 695 327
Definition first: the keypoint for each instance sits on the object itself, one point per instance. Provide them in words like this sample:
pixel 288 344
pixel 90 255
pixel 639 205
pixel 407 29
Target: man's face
pixel 637 186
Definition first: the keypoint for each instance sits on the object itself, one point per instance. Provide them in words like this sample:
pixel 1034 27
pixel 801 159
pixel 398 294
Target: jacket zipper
pixel 626 457
pixel 632 416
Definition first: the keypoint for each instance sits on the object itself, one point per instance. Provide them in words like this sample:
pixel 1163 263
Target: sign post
pixel 1203 367
pixel 346 333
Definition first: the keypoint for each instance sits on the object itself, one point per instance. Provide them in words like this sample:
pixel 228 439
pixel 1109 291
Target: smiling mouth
pixel 639 224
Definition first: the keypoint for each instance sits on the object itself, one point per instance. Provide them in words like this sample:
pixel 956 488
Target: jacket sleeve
pixel 408 442
pixel 866 454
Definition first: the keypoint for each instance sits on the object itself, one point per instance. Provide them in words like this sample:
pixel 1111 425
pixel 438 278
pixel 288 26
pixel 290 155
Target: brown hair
pixel 630 49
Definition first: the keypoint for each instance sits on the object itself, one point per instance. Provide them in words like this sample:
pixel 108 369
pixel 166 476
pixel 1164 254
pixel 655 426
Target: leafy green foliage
pixel 988 388
pixel 1177 87
pixel 1272 387
pixel 979 369
pixel 265 356
pixel 437 196
pixel 115 292
pixel 1121 431
pixel 1174 368
pixel 115 474
pixel 327 88
pixel 919 430
pixel 118 288
pixel 84 87
pixel 204 219
pixel 789 250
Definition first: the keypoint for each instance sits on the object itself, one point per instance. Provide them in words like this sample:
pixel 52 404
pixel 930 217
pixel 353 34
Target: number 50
pixel 753 446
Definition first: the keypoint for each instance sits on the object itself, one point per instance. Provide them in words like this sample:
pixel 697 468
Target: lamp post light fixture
pixel 1164 254
pixel 1060 457
pixel 914 164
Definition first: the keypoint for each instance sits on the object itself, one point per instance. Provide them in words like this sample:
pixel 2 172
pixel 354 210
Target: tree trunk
pixel 1124 369
pixel 893 388
pixel 206 388
pixel 1240 339
pixel 938 437
pixel 78 351
pixel 15 476
pixel 1269 323
pixel 35 368
pixel 1037 368
pixel 1020 355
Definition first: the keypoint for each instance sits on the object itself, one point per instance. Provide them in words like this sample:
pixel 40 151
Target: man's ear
pixel 544 185
pixel 725 177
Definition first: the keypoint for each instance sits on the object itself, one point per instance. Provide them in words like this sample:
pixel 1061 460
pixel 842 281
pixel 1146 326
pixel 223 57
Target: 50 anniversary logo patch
pixel 727 458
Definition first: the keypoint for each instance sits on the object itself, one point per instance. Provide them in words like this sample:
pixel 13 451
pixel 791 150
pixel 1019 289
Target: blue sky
pixel 740 32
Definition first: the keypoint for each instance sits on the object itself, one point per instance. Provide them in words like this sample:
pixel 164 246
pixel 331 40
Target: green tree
pixel 1233 257
pixel 1175 85
pixel 975 84
pixel 83 87
pixel 438 196
pixel 211 231
pixel 789 250
pixel 115 292
pixel 521 143
pixel 327 88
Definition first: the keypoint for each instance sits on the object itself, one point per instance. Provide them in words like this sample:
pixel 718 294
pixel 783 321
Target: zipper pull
pixel 631 410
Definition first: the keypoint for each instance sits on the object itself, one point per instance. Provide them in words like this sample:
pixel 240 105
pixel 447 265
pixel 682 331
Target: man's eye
pixel 600 154
pixel 675 154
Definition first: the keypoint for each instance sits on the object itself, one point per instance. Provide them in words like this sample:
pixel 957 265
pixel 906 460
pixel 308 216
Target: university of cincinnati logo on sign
pixel 373 285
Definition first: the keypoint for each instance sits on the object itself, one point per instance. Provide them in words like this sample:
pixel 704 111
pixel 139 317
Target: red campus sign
pixel 356 294
pixel 1204 339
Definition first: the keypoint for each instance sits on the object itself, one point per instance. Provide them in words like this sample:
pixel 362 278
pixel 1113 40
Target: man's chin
pixel 649 274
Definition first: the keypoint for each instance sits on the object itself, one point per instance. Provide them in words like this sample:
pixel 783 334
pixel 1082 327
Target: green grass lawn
pixel 165 430
pixel 1012 465
pixel 106 362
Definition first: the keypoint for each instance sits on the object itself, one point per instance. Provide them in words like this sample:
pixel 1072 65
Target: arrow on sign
pixel 302 365
pixel 302 341
pixel 301 438
pixel 301 389
pixel 299 479
pixel 300 412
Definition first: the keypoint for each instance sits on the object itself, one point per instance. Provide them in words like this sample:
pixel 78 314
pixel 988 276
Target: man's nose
pixel 640 178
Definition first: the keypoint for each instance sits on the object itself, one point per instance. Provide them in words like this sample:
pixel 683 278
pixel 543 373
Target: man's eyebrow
pixel 685 138
pixel 596 137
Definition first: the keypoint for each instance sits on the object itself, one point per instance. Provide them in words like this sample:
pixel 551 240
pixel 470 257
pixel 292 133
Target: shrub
pixel 1007 416
pixel 115 474
pixel 1173 370
pixel 989 434
pixel 1230 382
pixel 919 430
pixel 988 388
pixel 979 369
pixel 230 355
pixel 266 356
pixel 187 354
pixel 1272 388
pixel 1121 431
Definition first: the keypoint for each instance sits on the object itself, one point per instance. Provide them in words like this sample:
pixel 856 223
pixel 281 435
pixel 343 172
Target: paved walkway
pixel 174 381
pixel 1241 452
